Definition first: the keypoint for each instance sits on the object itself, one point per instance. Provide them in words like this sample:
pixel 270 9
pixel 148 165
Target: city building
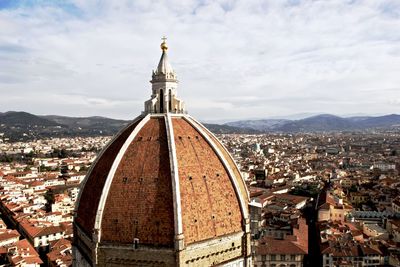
pixel 289 251
pixel 60 254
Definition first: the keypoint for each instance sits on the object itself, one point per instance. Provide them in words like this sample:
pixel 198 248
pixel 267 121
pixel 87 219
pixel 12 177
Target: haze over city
pixel 234 59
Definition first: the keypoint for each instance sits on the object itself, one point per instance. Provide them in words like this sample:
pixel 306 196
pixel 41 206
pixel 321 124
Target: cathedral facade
pixel 163 192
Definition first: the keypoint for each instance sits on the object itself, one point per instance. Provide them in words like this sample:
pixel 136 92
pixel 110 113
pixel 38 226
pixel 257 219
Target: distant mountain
pixel 95 123
pixel 381 121
pixel 358 118
pixel 227 129
pixel 321 123
pixel 260 125
pixel 317 123
pixel 16 118
pixel 22 126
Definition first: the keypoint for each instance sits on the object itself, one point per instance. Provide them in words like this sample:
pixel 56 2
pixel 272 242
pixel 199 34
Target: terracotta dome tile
pixel 139 203
pixel 93 187
pixel 210 207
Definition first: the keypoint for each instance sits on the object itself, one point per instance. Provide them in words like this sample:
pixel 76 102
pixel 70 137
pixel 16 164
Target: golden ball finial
pixel 164 46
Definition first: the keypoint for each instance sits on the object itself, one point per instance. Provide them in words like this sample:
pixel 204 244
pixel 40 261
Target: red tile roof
pixel 35 231
pixel 141 206
pixel 275 246
pixel 91 193
pixel 140 200
pixel 9 234
pixel 24 253
pixel 210 206
pixel 61 252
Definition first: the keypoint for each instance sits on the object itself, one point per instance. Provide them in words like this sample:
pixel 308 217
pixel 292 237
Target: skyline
pixel 235 60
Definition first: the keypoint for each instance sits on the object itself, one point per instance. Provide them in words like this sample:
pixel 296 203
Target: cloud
pixel 234 59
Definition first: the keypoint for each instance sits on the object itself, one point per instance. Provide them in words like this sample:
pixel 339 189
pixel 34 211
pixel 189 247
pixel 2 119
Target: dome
pixel 163 192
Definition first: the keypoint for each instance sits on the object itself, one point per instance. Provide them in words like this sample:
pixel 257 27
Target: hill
pixel 319 123
pixel 89 125
pixel 23 126
pixel 20 118
pixel 322 123
pixel 259 125
pixel 227 129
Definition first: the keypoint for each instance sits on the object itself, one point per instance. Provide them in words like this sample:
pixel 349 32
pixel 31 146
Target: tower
pixel 164 88
pixel 163 192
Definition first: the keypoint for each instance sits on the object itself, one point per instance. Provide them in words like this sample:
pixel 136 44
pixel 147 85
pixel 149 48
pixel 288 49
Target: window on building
pixel 273 257
pixel 283 257
pixel 292 257
pixel 136 243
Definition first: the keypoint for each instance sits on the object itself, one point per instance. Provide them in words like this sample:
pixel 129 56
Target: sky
pixel 234 59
